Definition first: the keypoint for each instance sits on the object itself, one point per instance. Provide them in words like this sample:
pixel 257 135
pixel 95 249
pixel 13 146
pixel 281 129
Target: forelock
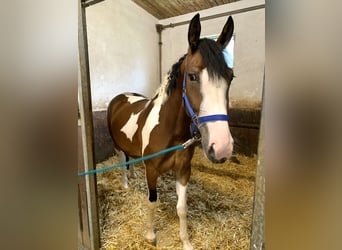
pixel 213 58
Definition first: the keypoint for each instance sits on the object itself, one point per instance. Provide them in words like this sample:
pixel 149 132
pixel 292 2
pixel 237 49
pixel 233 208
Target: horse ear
pixel 194 32
pixel 227 32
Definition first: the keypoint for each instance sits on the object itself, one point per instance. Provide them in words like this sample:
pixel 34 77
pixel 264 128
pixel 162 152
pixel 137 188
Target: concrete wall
pixel 124 55
pixel 123 50
pixel 249 52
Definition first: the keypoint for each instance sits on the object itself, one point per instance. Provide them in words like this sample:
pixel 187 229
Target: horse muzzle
pixel 217 141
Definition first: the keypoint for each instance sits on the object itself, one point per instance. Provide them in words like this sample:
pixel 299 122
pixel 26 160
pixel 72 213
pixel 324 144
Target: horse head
pixel 207 79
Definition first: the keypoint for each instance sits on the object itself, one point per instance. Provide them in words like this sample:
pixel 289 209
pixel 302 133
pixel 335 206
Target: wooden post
pixel 84 91
pixel 257 241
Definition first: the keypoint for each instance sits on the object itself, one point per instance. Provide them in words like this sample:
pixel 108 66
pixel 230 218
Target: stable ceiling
pixel 162 9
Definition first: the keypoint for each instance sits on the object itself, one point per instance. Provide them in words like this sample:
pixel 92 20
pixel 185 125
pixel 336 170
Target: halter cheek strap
pixel 196 121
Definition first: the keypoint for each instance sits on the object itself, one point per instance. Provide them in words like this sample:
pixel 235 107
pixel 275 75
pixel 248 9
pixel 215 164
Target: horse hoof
pixel 153 242
pixel 151 238
pixel 188 246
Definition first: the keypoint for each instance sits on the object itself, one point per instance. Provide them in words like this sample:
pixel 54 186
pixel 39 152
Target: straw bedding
pixel 220 201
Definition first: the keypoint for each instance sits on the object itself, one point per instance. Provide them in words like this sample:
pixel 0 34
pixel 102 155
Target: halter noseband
pixel 196 121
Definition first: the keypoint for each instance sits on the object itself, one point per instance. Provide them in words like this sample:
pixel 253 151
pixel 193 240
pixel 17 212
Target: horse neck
pixel 176 117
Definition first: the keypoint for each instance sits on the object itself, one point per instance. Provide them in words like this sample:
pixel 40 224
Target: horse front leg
pixel 151 177
pixel 182 210
pixel 151 210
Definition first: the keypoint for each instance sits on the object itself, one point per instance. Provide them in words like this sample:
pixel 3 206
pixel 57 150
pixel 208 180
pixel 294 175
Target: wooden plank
pixel 103 143
pixel 84 233
pixel 258 222
pixel 245 140
pixel 87 130
pixel 244 117
pixel 166 9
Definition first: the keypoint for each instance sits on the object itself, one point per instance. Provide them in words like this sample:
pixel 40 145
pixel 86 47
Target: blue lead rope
pixel 144 158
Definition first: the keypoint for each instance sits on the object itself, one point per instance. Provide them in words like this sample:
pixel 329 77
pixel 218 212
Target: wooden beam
pixel 87 129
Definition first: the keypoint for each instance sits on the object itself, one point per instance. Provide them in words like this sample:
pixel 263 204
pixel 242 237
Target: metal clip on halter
pixel 191 141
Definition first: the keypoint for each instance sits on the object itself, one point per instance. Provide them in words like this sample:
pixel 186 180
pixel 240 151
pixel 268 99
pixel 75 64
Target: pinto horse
pixel 191 101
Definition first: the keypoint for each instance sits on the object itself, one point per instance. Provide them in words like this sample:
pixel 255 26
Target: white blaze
pixel 214 102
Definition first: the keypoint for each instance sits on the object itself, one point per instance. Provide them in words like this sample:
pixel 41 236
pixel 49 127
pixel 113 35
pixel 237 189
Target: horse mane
pixel 173 74
pixel 170 81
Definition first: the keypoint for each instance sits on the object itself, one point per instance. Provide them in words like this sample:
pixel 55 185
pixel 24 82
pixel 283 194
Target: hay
pixel 220 200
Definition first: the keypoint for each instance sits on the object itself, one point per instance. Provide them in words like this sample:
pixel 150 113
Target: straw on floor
pixel 220 201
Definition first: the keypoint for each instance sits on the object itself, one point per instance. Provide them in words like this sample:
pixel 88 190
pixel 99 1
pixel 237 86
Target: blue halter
pixel 196 121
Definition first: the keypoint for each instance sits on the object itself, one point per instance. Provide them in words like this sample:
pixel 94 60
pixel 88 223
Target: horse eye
pixel 193 77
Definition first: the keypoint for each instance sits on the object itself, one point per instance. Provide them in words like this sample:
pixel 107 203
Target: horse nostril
pixel 211 152
pixel 212 157
pixel 222 160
